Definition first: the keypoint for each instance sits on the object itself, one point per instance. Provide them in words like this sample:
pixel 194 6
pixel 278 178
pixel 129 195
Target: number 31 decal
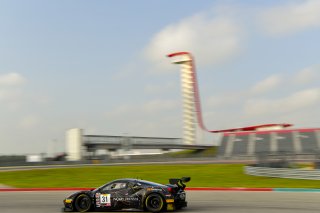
pixel 105 199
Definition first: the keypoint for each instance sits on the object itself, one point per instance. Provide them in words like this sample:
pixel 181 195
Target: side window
pixel 119 186
pixel 115 186
pixel 130 185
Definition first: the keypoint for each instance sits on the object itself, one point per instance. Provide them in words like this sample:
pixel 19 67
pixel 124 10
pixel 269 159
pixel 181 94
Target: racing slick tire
pixel 82 203
pixel 154 203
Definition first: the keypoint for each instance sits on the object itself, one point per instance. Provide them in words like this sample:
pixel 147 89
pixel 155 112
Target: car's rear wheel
pixel 82 203
pixel 154 203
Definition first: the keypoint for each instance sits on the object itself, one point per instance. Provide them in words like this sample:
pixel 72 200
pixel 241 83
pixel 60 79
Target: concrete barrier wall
pixel 306 174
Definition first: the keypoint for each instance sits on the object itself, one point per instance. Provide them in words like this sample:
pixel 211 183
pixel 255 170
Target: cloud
pixel 267 85
pixel 10 95
pixel 11 79
pixel 277 98
pixel 236 97
pixel 212 40
pixel 290 18
pixel 297 101
pixel 11 89
pixel 307 75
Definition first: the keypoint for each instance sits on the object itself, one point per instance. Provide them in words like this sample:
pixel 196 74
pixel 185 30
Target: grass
pixel 211 175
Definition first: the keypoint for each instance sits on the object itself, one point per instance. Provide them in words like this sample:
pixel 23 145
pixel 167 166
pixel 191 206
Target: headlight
pixel 68 200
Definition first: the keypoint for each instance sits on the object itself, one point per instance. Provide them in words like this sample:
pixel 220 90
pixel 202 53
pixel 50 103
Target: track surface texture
pixel 204 201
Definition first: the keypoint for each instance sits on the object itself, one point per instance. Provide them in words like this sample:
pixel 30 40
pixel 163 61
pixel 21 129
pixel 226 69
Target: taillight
pixel 172 190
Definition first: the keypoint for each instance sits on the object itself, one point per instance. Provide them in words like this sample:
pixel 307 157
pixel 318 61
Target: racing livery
pixel 130 194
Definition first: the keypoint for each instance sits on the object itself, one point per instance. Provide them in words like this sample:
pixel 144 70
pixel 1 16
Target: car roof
pixel 126 179
pixel 140 181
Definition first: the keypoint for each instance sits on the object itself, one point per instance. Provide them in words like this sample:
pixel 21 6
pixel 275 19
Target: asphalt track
pixel 199 201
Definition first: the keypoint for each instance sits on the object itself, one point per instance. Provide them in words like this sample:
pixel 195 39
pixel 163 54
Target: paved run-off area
pixel 199 201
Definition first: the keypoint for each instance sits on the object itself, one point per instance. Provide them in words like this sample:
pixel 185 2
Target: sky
pixel 101 66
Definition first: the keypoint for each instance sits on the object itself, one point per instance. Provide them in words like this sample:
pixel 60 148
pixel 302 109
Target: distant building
pixel 74 144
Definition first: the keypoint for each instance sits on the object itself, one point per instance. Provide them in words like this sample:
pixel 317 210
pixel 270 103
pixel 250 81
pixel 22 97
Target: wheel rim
pixel 83 203
pixel 155 203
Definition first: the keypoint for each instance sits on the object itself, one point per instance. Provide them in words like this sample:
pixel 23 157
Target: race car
pixel 130 194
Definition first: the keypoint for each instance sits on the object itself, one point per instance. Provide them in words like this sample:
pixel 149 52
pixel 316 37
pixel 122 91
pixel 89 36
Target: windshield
pixel 100 187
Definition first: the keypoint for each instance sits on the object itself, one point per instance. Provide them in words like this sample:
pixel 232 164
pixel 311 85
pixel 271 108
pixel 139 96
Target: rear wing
pixel 180 182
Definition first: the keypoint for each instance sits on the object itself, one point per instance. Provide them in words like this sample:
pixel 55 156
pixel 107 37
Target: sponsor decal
pixel 98 199
pixel 153 189
pixel 125 199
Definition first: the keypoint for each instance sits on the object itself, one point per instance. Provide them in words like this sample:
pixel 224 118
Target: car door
pixel 134 194
pixel 112 196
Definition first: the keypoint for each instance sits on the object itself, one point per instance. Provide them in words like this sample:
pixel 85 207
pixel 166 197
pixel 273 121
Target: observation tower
pixel 193 126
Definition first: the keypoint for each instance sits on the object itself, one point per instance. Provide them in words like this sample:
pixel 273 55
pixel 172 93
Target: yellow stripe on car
pixel 170 200
pixel 68 200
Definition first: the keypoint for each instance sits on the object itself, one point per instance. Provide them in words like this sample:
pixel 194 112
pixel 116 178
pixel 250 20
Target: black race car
pixel 130 194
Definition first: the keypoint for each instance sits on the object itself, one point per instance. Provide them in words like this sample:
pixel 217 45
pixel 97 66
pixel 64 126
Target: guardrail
pixel 306 174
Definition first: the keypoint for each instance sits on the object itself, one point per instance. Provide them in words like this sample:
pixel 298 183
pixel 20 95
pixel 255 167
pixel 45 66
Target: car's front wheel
pixel 154 203
pixel 82 203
